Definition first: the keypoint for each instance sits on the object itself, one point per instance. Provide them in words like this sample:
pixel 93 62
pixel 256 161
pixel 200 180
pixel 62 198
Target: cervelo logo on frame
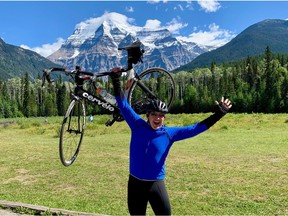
pixel 99 102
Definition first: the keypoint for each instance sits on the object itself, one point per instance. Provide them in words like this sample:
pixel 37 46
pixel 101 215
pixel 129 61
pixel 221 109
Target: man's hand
pixel 223 107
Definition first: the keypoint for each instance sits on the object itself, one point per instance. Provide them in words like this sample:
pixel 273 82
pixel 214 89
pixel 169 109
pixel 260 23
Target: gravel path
pixel 7 206
pixel 7 212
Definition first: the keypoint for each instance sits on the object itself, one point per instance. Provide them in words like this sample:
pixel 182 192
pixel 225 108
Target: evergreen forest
pixel 256 84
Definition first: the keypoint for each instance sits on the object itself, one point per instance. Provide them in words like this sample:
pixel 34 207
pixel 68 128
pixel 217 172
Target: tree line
pixel 255 84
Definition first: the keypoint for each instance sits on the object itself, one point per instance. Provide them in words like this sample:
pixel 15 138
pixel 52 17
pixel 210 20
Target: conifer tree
pixel 26 95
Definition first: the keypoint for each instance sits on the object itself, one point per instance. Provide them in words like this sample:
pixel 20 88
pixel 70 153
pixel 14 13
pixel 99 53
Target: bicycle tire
pixel 72 132
pixel 159 81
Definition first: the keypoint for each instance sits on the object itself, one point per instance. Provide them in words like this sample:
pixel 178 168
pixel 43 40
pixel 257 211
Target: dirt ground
pixel 7 212
pixel 7 206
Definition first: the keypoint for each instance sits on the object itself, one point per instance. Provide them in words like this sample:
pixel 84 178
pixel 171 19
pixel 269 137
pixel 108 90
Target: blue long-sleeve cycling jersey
pixel 148 147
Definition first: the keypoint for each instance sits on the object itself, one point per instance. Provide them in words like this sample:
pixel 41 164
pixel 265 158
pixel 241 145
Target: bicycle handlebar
pixel 47 72
pixel 78 72
pixel 131 54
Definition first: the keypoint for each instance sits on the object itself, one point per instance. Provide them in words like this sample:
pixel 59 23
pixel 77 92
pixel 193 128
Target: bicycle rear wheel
pixel 159 82
pixel 72 132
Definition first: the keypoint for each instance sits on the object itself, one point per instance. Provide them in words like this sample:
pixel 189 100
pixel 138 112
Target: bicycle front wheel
pixel 158 83
pixel 72 132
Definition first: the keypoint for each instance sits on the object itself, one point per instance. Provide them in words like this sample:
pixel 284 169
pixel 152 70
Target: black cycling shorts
pixel 141 192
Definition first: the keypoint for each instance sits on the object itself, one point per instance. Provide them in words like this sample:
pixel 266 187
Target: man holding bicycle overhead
pixel 149 146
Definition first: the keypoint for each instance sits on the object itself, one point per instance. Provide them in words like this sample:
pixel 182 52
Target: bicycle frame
pixel 80 93
pixel 133 77
pixel 95 99
pixel 134 56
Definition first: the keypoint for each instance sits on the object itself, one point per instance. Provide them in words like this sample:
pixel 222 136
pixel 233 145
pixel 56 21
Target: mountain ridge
pixel 98 40
pixel 250 42
pixel 15 61
pixel 161 48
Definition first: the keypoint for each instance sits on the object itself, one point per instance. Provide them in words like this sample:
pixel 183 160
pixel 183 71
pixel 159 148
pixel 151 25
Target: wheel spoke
pixel 72 132
pixel 158 81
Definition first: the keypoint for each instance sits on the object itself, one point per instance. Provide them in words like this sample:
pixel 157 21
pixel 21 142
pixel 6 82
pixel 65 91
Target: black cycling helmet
pixel 156 106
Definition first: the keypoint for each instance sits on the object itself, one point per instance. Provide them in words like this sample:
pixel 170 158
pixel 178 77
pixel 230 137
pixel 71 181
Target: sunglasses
pixel 154 114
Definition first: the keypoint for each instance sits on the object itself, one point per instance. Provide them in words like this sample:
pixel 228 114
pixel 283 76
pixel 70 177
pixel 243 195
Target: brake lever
pixel 46 76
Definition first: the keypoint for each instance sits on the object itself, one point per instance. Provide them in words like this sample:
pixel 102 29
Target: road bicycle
pixel 153 83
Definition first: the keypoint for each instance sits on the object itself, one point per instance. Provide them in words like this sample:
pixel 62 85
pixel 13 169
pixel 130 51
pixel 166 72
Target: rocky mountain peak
pixel 94 45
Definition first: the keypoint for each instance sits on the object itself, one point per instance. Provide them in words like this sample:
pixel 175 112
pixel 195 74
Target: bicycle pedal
pixel 109 122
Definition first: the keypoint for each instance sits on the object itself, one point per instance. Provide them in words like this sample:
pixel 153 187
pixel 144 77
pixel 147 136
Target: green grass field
pixel 238 167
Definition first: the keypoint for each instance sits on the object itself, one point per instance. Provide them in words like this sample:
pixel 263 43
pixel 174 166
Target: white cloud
pixel 46 49
pixel 129 9
pixel 209 5
pixel 189 5
pixel 206 5
pixel 180 7
pixel 214 37
pixel 156 1
pixel 153 24
pixel 173 26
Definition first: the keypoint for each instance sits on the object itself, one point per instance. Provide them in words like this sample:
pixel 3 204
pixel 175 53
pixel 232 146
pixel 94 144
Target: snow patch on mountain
pixel 94 45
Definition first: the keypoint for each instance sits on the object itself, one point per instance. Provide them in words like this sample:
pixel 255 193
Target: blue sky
pixel 43 25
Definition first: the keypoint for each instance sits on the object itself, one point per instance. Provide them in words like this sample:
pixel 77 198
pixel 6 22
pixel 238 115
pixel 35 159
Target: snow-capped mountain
pixel 94 45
